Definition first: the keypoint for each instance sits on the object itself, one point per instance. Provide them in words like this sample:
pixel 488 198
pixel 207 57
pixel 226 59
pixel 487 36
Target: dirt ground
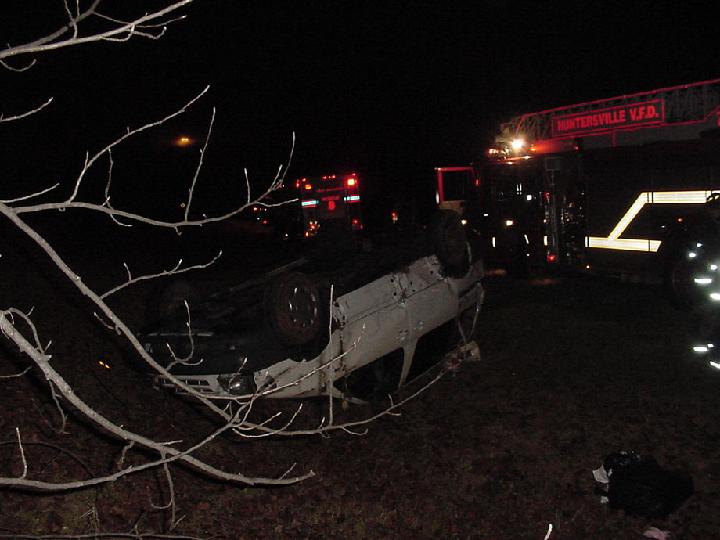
pixel 573 368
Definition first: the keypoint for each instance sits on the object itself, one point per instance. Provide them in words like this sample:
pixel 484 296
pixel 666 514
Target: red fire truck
pixel 331 199
pixel 609 185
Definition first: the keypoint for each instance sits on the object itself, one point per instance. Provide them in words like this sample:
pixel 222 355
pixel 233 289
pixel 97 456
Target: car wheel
pixel 373 382
pixel 449 243
pixel 294 308
pixel 168 301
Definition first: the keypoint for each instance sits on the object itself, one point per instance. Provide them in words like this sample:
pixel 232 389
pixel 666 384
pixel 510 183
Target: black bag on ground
pixel 638 485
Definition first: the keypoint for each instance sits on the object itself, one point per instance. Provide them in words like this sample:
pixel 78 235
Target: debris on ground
pixel 638 485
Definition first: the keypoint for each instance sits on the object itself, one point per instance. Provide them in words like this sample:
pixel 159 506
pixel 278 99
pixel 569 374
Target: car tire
pixel 167 302
pixel 373 382
pixel 449 243
pixel 294 308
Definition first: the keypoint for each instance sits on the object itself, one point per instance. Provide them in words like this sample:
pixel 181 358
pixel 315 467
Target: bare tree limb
pixel 26 113
pixel 177 269
pixel 143 26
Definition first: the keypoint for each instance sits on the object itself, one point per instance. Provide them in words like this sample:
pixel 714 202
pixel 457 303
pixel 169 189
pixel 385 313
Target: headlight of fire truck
pixel 518 145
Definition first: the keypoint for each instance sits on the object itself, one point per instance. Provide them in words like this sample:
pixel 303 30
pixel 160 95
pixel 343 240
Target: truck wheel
pixel 293 308
pixel 679 279
pixel 449 243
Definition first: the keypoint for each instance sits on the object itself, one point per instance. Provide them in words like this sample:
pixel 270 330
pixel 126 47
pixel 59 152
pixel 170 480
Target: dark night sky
pixel 387 88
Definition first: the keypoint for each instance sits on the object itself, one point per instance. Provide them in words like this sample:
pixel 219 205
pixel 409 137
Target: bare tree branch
pixel 25 114
pixel 144 26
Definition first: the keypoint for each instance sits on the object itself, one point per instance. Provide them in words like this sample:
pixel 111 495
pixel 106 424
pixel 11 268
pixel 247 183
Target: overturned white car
pixel 299 334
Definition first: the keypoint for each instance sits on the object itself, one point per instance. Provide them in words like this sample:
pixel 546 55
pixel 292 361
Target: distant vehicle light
pixel 551 258
pixel 509 223
pixel 691 255
pixel 463 221
pixel 183 141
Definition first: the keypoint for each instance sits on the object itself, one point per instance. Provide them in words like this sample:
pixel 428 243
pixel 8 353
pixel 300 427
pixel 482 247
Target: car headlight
pixel 238 384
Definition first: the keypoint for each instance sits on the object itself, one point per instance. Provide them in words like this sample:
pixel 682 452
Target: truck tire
pixel 449 243
pixel 294 309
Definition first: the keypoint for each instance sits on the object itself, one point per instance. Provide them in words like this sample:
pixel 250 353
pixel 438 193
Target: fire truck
pixel 331 200
pixel 612 185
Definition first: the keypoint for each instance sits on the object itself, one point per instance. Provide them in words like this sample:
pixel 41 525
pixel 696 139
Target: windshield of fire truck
pixel 459 185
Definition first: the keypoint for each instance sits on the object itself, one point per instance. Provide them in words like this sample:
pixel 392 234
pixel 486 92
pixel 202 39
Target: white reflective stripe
pixel 623 244
pixel 633 211
pixel 613 240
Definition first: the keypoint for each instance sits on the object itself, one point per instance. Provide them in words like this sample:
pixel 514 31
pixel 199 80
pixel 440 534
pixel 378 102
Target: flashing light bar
pixel 310 203
pixel 351 198
pixel 613 240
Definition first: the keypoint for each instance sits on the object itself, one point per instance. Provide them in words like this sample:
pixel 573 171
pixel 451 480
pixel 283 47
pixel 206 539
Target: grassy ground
pixel 572 369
